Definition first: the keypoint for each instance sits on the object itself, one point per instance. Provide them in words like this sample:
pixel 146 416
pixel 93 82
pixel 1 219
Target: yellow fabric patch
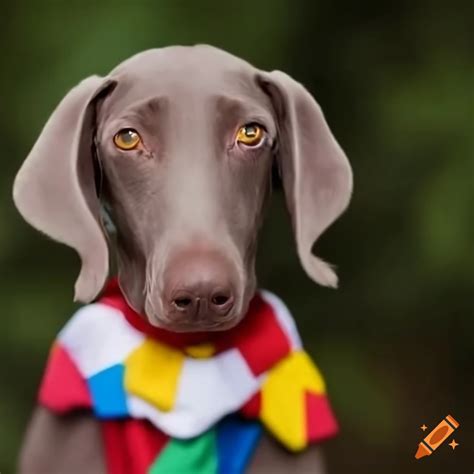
pixel 283 398
pixel 201 351
pixel 152 372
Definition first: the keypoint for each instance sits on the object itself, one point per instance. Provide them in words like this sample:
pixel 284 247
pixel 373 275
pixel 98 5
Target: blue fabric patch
pixel 237 439
pixel 108 395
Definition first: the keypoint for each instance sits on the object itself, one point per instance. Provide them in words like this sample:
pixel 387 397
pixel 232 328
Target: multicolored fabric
pixel 136 446
pixel 188 403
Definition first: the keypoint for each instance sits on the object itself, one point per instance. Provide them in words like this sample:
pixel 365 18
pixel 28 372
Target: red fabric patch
pixel 116 452
pixel 131 446
pixel 320 420
pixel 252 407
pixel 259 337
pixel 63 388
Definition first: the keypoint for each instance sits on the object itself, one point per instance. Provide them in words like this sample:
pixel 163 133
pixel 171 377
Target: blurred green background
pixel 395 80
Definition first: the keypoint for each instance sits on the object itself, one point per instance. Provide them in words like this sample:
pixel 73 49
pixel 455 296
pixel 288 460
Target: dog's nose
pixel 201 299
pixel 198 287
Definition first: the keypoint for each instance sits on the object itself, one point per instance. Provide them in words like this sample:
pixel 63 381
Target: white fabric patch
pixel 208 390
pixel 284 317
pixel 97 337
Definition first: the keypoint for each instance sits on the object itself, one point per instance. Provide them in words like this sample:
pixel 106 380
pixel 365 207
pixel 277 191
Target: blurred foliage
pixel 395 80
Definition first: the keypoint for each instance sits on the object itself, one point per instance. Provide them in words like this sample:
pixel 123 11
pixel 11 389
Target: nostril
pixel 182 303
pixel 221 302
pixel 220 299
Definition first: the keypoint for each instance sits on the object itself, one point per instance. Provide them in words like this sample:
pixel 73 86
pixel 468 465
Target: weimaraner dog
pixel 154 144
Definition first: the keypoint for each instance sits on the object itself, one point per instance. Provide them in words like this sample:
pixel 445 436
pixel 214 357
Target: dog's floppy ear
pixel 55 189
pixel 316 174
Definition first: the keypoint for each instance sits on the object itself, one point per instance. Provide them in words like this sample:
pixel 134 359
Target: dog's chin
pixel 196 326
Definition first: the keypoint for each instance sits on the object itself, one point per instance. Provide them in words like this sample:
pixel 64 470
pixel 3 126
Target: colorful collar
pixel 109 359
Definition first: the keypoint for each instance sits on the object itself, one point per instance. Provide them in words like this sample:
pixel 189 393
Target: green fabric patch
pixel 191 456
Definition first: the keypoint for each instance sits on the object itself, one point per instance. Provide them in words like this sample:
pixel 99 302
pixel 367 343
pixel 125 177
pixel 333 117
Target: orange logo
pixel 437 437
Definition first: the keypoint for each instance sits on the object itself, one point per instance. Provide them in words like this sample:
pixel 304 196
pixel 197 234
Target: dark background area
pixel 395 80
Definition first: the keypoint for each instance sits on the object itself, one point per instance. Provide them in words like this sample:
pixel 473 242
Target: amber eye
pixel 127 139
pixel 250 134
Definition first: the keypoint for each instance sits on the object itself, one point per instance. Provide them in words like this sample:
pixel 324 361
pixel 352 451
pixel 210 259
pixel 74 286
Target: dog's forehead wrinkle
pixel 181 87
pixel 148 105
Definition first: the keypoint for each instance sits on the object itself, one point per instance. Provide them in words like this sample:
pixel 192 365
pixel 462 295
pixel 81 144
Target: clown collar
pixel 108 359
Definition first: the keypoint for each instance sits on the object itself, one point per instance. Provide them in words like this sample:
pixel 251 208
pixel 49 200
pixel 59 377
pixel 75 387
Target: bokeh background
pixel 395 80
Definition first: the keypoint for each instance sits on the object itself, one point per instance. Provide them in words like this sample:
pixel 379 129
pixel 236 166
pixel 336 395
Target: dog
pixel 175 148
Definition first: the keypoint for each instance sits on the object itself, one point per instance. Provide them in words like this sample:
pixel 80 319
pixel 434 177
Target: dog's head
pixel 177 144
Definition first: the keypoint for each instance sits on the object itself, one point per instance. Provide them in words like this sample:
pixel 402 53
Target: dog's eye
pixel 127 139
pixel 251 134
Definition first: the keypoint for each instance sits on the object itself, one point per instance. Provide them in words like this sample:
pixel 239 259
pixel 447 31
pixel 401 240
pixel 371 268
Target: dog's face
pixel 186 145
pixel 183 140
